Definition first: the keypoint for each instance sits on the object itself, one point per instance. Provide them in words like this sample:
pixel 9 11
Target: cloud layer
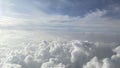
pixel 36 15
pixel 61 54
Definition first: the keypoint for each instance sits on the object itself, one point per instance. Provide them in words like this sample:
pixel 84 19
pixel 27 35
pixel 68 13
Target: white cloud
pixel 51 64
pixel 30 52
pixel 11 66
pixel 112 62
pixel 60 54
pixel 94 63
pixel 95 21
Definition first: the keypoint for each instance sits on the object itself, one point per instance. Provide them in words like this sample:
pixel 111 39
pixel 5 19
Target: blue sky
pixel 65 7
pixel 61 16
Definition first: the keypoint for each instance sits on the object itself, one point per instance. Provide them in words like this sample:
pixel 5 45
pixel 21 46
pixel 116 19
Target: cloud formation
pixel 24 15
pixel 60 54
pixel 24 23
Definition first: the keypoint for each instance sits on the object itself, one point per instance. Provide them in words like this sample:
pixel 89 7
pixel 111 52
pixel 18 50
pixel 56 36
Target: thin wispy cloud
pixel 61 17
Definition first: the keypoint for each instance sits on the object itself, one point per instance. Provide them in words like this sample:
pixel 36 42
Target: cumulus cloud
pixel 51 64
pixel 112 62
pixel 18 17
pixel 61 54
pixel 94 63
pixel 11 66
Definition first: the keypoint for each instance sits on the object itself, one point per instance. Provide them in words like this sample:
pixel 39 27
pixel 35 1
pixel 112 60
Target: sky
pixel 61 17
pixel 39 33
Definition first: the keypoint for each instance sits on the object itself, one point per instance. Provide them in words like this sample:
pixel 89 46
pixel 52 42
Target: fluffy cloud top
pixel 61 54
